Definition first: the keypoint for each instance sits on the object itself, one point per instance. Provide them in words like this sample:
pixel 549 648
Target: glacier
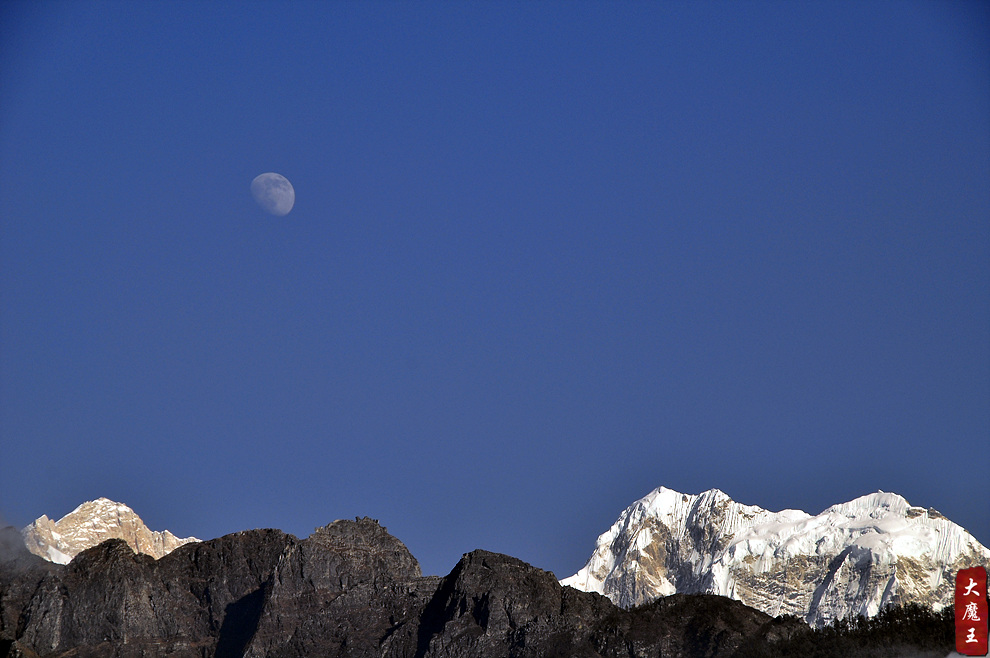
pixel 854 558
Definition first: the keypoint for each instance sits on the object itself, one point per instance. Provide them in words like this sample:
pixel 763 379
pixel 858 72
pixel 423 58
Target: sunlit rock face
pixel 92 523
pixel 852 559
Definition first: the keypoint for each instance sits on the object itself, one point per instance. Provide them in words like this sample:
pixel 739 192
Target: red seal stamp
pixel 971 611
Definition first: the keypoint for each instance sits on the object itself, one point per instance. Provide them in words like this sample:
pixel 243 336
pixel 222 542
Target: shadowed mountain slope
pixel 348 590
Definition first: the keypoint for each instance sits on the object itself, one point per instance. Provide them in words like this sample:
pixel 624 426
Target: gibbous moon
pixel 274 193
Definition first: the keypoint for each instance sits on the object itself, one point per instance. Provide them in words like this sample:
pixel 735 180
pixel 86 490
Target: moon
pixel 274 193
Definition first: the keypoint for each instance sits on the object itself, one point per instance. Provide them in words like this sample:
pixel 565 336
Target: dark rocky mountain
pixel 349 589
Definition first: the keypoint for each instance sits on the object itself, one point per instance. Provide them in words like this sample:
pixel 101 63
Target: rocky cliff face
pixel 852 559
pixel 496 605
pixel 350 589
pixel 92 523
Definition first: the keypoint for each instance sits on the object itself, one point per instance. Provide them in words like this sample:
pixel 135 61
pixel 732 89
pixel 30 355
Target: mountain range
pixel 351 590
pixel 661 581
pixel 854 558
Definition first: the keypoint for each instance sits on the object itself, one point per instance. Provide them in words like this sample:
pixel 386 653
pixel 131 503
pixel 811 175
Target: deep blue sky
pixel 544 257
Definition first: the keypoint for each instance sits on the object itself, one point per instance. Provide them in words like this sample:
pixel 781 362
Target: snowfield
pixel 853 558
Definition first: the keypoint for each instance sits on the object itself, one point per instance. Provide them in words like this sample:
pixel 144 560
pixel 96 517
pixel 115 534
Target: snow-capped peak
pixel 94 522
pixel 852 558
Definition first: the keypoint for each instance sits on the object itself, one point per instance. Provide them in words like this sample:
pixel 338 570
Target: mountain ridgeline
pixel 352 589
pixel 853 559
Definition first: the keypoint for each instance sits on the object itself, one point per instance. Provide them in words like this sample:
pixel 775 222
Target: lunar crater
pixel 274 193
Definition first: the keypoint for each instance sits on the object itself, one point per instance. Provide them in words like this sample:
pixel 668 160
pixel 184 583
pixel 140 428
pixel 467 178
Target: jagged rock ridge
pixel 852 559
pixel 350 589
pixel 92 523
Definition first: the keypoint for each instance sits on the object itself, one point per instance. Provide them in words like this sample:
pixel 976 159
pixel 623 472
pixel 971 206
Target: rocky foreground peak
pixel 92 523
pixel 368 547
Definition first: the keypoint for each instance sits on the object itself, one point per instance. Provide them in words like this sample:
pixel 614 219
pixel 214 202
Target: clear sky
pixel 544 257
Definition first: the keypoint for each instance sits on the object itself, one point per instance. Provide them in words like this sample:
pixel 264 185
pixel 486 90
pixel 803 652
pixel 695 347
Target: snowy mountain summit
pixel 92 523
pixel 852 559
